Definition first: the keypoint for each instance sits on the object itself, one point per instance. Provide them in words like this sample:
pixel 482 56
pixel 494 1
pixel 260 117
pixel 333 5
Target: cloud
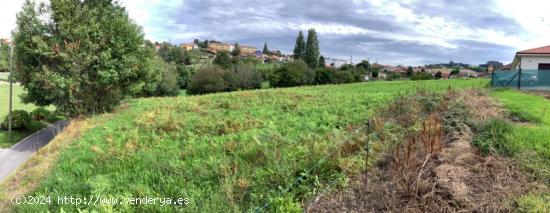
pixel 394 32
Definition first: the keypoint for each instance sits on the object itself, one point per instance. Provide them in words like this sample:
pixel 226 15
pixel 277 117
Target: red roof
pixel 540 50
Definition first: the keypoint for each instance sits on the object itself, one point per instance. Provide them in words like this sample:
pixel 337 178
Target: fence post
pixel 519 79
pixel 492 79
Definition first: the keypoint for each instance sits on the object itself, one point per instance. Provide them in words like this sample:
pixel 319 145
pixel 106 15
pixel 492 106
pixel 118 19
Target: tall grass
pixel 225 152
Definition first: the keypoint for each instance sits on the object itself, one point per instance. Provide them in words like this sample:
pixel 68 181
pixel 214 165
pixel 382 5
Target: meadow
pixel 257 150
pixel 528 140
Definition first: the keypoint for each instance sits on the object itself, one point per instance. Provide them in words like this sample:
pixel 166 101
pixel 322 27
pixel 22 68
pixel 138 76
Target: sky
pixel 403 32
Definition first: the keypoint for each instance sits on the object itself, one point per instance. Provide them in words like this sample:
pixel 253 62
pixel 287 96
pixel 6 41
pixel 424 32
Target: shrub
pixel 324 75
pixel 208 80
pixel 393 76
pixel 422 76
pixel 20 120
pixel 40 114
pixel 342 77
pixel 244 77
pixel 294 73
pixel 223 60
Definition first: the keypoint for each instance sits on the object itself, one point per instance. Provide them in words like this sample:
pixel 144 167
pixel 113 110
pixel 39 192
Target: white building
pixel 533 59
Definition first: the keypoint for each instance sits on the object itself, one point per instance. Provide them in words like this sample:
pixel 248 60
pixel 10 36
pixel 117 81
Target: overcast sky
pixel 404 32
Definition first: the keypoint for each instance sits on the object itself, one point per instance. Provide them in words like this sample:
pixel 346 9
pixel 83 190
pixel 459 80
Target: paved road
pixel 15 156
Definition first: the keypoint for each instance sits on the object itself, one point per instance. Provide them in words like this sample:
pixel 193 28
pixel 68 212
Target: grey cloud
pixel 236 20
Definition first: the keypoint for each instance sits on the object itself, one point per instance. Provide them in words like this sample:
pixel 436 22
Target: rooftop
pixel 539 50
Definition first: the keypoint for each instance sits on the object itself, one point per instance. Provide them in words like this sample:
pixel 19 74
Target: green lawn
pixel 4 107
pixel 529 143
pixel 227 152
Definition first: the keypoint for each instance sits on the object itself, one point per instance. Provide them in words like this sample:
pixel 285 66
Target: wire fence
pixel 521 79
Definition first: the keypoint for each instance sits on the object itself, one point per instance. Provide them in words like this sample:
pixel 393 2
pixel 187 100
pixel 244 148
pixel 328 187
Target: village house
pixel 532 59
pixel 189 46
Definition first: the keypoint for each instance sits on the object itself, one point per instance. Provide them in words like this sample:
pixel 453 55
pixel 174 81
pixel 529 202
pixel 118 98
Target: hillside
pixel 225 152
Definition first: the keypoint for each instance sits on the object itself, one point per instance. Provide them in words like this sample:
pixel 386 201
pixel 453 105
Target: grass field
pixel 225 152
pixel 4 107
pixel 528 142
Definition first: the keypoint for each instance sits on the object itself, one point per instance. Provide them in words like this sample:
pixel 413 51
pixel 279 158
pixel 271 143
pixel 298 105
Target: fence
pixel 521 79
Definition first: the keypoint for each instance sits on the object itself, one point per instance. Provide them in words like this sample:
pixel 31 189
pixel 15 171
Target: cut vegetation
pixel 265 150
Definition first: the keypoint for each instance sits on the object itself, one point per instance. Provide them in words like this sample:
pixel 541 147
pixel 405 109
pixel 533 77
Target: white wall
pixel 532 62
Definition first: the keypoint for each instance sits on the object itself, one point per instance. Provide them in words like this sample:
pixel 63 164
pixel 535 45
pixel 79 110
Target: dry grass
pixel 31 173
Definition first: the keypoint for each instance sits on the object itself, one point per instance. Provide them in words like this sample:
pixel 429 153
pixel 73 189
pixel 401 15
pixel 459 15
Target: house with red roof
pixel 533 59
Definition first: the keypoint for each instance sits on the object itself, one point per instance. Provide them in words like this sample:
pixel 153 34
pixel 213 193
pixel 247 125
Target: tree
pixel 4 58
pixel 312 49
pixel 208 80
pixel 81 56
pixel 410 72
pixel 236 50
pixel 438 75
pixel 375 72
pixel 365 64
pixel 322 62
pixel 196 41
pixel 300 47
pixel 294 73
pixel 223 60
pixel 265 51
pixel 455 71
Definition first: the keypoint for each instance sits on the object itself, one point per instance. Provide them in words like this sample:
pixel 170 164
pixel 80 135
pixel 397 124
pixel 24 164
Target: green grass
pixel 529 144
pixel 225 152
pixel 5 141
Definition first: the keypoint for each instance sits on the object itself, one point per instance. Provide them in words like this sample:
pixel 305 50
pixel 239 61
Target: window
pixel 544 66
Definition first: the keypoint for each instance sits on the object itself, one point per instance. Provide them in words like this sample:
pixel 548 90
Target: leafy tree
pixel 4 58
pixel 300 47
pixel 204 44
pixel 196 41
pixel 236 50
pixel 365 64
pixel 422 76
pixel 312 49
pixel 455 71
pixel 438 75
pixel 375 72
pixel 223 60
pixel 165 82
pixel 294 73
pixel 322 62
pixel 265 50
pixel 393 76
pixel 245 77
pixel 81 56
pixel 410 72
pixel 208 80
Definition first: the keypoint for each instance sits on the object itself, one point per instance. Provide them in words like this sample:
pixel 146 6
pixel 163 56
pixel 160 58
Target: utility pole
pixel 11 90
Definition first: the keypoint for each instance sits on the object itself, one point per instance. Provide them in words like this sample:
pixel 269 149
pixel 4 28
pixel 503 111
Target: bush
pixel 223 60
pixel 343 77
pixel 294 73
pixel 393 76
pixel 244 77
pixel 20 120
pixel 422 76
pixel 40 114
pixel 324 75
pixel 208 80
